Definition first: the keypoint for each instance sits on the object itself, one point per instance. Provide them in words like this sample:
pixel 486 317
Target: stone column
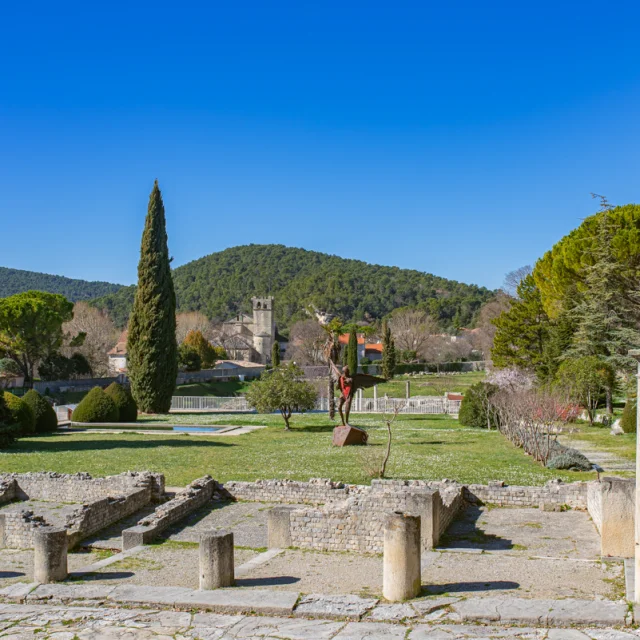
pixel 216 560
pixel 50 546
pixel 635 353
pixel 279 527
pixel 401 564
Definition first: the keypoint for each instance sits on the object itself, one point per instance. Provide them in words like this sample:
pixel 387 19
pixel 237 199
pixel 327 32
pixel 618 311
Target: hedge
pixel 21 414
pixel 127 407
pixel 96 406
pixel 628 419
pixel 46 419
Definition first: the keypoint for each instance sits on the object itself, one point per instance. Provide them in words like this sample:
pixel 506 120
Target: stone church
pixel 251 338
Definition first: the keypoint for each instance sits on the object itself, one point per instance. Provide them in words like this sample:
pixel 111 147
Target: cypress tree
pixel 388 353
pixel 152 352
pixel 352 352
pixel 275 354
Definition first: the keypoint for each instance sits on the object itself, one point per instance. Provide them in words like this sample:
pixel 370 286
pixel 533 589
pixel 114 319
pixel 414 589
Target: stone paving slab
pixel 343 607
pixel 262 601
pixel 67 592
pixel 278 628
pixel 542 612
pixel 392 613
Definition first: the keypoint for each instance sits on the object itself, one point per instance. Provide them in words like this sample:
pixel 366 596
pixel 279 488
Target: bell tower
pixel 264 327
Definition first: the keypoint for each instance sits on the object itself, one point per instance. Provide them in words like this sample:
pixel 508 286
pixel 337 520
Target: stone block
pixel 216 560
pixel 617 524
pixel 279 527
pixel 401 562
pixel 50 554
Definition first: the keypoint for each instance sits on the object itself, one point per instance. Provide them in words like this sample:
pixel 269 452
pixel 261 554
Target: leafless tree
pixel 100 336
pixel 412 329
pixel 375 462
pixel 514 278
pixel 483 334
pixel 192 321
pixel 307 341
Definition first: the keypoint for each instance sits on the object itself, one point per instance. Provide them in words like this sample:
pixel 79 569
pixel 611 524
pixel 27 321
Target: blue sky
pixel 458 138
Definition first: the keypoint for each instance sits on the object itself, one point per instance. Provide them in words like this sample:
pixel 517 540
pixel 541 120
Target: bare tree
pixel 375 462
pixel 513 279
pixel 192 321
pixel 482 336
pixel 100 336
pixel 307 341
pixel 412 329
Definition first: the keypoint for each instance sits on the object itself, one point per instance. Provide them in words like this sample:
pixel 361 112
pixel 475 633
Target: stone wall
pixel 316 491
pixel 104 501
pixel 81 487
pixel 90 518
pixel 594 504
pixel 555 492
pixel 189 499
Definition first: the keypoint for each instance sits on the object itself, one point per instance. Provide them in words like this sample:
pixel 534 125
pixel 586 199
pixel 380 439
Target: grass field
pixel 424 447
pixel 623 445
pixel 429 385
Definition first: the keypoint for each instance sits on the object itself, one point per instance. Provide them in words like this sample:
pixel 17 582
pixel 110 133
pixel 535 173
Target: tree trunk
pixel 383 468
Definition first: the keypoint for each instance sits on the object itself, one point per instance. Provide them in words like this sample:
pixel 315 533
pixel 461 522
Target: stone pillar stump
pixel 50 545
pixel 401 564
pixel 216 560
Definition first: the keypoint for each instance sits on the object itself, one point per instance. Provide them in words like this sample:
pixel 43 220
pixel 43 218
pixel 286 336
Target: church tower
pixel 264 327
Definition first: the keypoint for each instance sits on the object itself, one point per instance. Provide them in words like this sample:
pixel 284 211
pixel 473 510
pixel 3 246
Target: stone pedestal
pixel 50 546
pixel 428 506
pixel 216 560
pixel 401 564
pixel 279 527
pixel 344 436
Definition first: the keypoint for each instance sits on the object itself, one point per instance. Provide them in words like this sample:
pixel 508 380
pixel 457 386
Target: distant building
pixel 250 338
pixel 118 355
pixel 371 350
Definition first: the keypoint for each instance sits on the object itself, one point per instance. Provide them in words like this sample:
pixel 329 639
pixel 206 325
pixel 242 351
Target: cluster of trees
pixel 196 352
pixel 577 313
pixel 14 281
pixel 221 285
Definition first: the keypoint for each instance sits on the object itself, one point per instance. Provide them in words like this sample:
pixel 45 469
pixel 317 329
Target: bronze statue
pixel 349 384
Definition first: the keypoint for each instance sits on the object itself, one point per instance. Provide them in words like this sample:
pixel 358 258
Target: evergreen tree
pixel 605 317
pixel 275 354
pixel 522 332
pixel 388 353
pixel 152 352
pixel 352 352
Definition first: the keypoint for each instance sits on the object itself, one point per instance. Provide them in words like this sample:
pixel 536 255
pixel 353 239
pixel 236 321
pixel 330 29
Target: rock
pixel 347 607
pixel 616 429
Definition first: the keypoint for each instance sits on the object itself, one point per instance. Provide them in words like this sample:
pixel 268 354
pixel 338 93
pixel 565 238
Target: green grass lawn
pixel 623 445
pixel 428 385
pixel 424 447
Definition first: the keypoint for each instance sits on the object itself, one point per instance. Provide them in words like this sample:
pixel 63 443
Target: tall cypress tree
pixel 275 354
pixel 388 352
pixel 352 352
pixel 152 352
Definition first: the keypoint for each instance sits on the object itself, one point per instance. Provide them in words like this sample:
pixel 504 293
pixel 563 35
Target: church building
pixel 251 338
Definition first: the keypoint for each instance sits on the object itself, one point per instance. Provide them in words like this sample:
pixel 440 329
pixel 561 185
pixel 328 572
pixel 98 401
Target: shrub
pixel 188 358
pixel 96 406
pixel 628 419
pixel 127 407
pixel 570 459
pixel 21 414
pixel 46 419
pixel 475 410
pixel 8 430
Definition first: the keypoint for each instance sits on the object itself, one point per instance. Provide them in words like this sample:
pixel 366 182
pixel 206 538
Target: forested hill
pixel 222 284
pixel 16 281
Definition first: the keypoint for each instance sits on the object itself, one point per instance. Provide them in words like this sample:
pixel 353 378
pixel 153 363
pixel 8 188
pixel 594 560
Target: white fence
pixel 422 405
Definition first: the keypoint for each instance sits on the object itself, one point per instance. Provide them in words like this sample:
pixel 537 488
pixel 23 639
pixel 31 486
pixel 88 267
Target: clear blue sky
pixel 458 138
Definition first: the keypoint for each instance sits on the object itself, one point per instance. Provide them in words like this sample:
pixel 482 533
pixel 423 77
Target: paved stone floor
pixel 85 623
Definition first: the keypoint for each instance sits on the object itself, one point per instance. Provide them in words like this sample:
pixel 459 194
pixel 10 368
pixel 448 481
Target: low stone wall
pixel 104 501
pixel 316 491
pixel 7 490
pixel 90 518
pixel 17 527
pixel 189 499
pixel 554 492
pixel 81 487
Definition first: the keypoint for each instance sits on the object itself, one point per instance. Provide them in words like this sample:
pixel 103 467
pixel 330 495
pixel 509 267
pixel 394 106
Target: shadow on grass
pixel 313 428
pixel 111 442
pixel 460 587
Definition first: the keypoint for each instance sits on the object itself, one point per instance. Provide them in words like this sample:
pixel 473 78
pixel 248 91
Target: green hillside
pixel 222 284
pixel 16 281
